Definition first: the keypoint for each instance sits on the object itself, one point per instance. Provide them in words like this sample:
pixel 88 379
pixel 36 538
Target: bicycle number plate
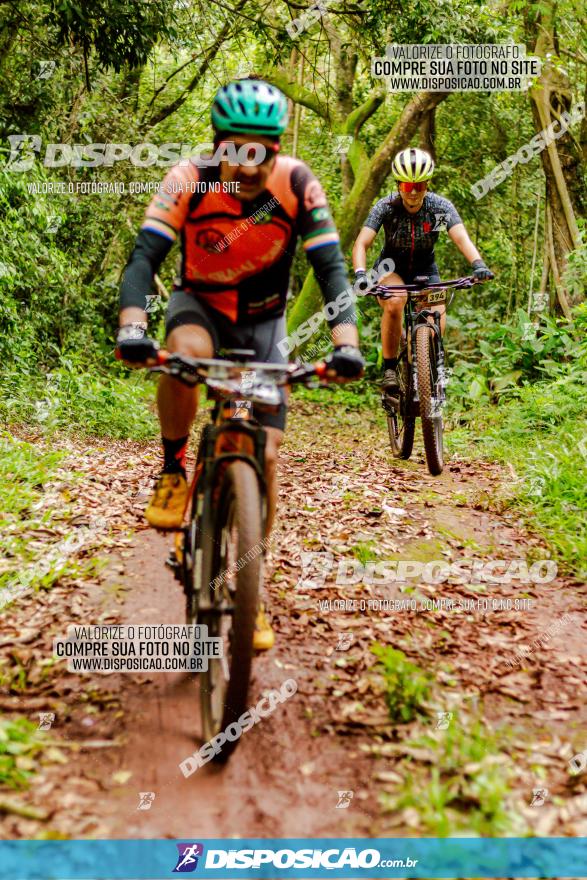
pixel 438 296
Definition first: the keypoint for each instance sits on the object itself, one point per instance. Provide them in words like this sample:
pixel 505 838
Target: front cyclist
pixel 412 220
pixel 238 225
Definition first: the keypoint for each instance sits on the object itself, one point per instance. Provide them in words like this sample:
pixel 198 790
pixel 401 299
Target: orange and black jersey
pixel 237 255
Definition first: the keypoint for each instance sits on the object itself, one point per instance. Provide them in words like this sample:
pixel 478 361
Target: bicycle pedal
pixel 174 564
pixel 389 404
pixel 172 560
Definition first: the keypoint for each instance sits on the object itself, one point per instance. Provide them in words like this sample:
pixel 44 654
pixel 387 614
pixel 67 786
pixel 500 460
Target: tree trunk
pixel 560 161
pixel 428 133
pixel 561 293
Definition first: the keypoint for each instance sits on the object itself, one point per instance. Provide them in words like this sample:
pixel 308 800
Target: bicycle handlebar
pixel 193 371
pixel 419 287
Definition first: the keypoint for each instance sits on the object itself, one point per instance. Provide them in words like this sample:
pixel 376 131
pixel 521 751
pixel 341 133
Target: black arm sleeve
pixel 330 271
pixel 149 252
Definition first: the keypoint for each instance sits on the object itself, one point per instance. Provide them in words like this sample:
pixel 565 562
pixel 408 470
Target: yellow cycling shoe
pixel 264 637
pixel 166 507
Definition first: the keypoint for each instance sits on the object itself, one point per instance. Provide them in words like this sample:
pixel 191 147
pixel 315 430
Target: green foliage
pixel 442 22
pixel 467 787
pixel 19 743
pixel 575 277
pixel 490 360
pixel 407 686
pixel 57 326
pixel 93 401
pixel 50 301
pixel 353 395
pixel 365 551
pixel 121 32
pixel 24 470
pixel 26 475
pixel 540 429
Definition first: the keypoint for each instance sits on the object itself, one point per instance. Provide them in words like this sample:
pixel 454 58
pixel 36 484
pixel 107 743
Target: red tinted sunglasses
pixel 253 151
pixel 406 186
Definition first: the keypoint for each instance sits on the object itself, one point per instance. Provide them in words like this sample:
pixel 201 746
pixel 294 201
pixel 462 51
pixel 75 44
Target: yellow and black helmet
pixel 412 165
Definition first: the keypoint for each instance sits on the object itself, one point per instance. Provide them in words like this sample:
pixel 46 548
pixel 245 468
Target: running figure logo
pixel 187 860
pixel 315 568
pixel 345 640
pixel 344 800
pixel 46 719
pixel 146 799
pixel 444 719
pixel 539 797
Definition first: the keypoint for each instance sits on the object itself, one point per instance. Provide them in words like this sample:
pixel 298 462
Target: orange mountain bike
pixel 219 552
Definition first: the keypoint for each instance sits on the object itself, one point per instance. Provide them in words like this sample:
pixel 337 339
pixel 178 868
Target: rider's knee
pixel 190 340
pixel 394 306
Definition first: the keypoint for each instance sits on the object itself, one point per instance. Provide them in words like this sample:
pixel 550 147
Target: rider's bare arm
pixel 364 240
pixel 132 315
pixel 460 236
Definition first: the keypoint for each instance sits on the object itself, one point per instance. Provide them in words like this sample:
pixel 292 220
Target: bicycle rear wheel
pixel 430 415
pixel 401 423
pixel 235 576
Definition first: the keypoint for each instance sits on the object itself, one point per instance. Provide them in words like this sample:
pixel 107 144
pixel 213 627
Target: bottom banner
pixel 453 857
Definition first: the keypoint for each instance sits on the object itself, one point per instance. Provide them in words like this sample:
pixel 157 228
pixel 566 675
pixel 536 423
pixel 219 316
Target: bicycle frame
pixel 224 440
pixel 414 318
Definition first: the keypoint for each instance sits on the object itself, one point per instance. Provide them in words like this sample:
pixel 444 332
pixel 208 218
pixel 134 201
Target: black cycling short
pixel 262 337
pixel 408 272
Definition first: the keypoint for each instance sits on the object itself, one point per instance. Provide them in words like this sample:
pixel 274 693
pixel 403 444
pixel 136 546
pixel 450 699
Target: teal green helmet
pixel 250 106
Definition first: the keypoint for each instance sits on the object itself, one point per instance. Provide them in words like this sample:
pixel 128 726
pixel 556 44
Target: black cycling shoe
pixel 390 383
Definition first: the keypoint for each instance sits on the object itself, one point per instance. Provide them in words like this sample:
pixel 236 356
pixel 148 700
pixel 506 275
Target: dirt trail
pixel 341 494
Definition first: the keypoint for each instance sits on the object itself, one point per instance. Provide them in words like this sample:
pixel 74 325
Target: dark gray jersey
pixel 410 238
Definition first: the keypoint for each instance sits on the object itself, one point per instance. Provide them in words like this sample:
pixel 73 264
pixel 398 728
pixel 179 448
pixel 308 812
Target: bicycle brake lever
pixel 177 371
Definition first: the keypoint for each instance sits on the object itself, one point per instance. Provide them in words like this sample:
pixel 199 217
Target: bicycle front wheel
pixel 236 572
pixel 430 414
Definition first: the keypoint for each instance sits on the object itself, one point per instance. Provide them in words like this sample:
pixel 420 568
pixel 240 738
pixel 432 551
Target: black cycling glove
pixel 347 361
pixel 361 282
pixel 480 271
pixel 133 345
